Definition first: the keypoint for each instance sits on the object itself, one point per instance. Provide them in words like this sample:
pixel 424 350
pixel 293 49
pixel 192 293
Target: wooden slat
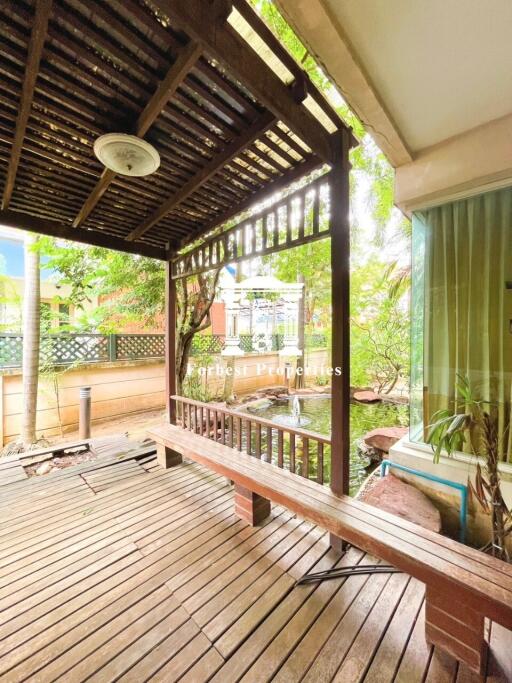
pixel 225 44
pixel 184 61
pixel 38 33
pixel 204 174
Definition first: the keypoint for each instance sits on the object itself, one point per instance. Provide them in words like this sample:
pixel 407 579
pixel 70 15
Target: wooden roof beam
pixel 200 20
pixel 35 49
pixel 185 60
pixel 232 150
pixel 53 228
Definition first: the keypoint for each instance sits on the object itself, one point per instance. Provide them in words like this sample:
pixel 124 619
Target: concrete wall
pixel 121 388
pixel 258 370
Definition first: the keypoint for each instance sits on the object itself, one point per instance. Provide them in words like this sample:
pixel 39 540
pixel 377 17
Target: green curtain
pixel 467 304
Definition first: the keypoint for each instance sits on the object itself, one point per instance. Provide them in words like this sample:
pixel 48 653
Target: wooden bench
pixel 463 585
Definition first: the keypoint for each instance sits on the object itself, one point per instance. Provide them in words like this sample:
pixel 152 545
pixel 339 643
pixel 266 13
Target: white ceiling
pixel 439 67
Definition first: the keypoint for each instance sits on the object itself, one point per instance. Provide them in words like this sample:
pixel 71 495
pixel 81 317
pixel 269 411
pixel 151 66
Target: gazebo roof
pixel 230 112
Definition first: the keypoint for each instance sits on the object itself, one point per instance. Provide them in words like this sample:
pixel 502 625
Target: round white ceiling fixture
pixel 127 154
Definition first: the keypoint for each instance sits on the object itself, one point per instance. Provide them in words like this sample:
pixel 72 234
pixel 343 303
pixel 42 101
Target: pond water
pixel 315 416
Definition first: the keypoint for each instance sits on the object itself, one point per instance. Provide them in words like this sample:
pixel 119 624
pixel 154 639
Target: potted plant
pixel 476 426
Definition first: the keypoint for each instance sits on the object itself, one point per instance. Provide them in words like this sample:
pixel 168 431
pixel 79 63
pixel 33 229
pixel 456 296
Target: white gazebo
pixel 244 294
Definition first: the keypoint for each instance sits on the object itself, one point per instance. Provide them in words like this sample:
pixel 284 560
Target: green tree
pixel 379 325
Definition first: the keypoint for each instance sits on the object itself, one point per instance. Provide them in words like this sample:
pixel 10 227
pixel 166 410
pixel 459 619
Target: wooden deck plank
pixel 179 664
pixel 244 558
pixel 155 578
pixel 74 662
pixel 247 605
pixel 300 660
pixel 333 652
pixel 249 620
pixel 387 658
pixel 250 651
pixel 202 671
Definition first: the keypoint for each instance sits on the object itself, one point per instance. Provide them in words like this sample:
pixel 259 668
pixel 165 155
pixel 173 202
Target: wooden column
pixel 340 267
pixel 170 342
pixel 166 456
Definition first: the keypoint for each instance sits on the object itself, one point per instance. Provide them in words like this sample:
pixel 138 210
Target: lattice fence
pixel 11 350
pixel 137 346
pixel 71 349
pixel 77 349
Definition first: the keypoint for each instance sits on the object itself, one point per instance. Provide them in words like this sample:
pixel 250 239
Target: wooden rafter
pixel 35 50
pixel 53 228
pixel 262 124
pixel 200 21
pixel 185 60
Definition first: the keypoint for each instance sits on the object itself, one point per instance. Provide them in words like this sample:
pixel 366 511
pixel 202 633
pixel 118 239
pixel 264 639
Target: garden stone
pixel 401 499
pixel 383 438
pixel 44 468
pixel 367 397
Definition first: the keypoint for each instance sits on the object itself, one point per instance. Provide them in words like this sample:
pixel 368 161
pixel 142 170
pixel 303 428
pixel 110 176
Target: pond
pixel 315 416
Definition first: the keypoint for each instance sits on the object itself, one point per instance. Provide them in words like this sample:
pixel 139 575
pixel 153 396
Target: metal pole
pixel 84 420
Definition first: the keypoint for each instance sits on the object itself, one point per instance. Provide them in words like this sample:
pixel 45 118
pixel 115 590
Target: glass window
pixel 462 309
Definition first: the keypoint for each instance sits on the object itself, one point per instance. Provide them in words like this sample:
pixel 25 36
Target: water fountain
pixel 296 410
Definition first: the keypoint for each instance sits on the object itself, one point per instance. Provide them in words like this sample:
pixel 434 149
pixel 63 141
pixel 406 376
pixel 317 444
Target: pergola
pixel 234 118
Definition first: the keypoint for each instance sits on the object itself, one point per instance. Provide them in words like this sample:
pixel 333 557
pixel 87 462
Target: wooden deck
pixel 119 570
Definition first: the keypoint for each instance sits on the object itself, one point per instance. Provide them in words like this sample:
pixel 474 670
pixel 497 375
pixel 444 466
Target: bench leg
pixel 250 506
pixel 457 629
pixel 166 457
pixel 339 545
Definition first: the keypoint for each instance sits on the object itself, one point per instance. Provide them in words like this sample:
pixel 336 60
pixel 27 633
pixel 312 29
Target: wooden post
pixel 340 267
pixel 170 342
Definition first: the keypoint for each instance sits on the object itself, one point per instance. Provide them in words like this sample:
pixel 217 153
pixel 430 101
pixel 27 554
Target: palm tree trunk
pixel 31 340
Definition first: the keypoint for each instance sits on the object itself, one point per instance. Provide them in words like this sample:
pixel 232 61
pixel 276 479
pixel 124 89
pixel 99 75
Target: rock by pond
pixel 393 495
pixel 383 438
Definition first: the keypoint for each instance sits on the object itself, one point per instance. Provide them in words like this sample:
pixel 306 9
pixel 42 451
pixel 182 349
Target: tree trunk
pixel 31 340
pixel 299 376
pixel 229 379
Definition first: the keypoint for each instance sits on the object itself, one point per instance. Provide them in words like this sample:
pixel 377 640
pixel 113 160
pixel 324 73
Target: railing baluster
pixel 231 420
pixel 248 445
pixel 280 448
pixel 230 428
pixel 305 457
pixel 257 449
pixel 320 462
pixel 239 434
pixel 269 444
pixel 223 428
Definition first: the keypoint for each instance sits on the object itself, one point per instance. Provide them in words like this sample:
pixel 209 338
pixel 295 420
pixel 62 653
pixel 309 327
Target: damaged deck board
pixel 154 578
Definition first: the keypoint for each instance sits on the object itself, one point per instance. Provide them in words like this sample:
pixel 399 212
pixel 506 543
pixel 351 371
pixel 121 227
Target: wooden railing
pixel 302 452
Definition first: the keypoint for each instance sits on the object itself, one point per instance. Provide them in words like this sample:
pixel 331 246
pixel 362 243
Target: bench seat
pixel 463 585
